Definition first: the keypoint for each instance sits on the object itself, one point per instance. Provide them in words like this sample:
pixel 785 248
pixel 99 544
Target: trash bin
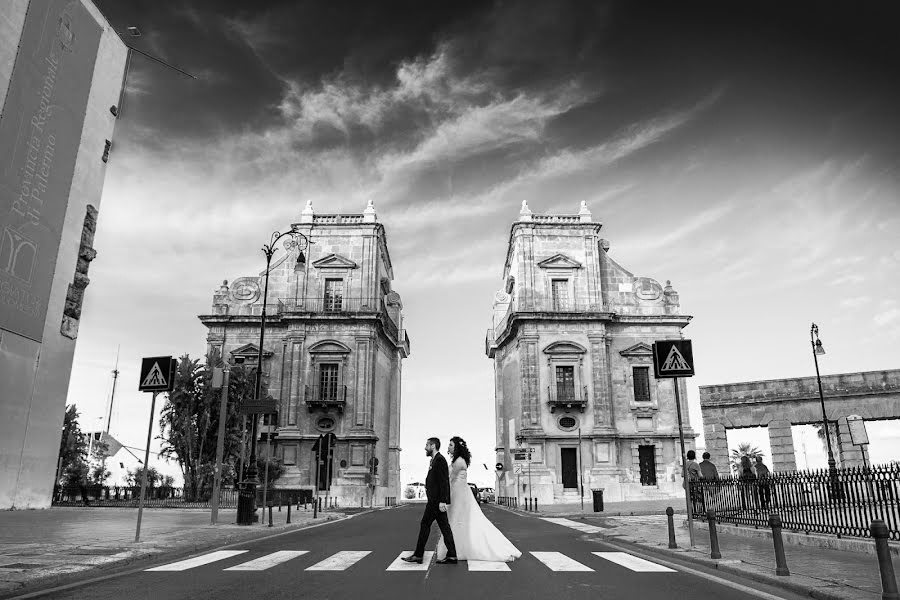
pixel 598 499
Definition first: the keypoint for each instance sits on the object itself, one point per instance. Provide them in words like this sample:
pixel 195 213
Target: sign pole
pixel 220 447
pixel 580 469
pixel 137 534
pixel 684 468
pixel 266 474
pixel 530 490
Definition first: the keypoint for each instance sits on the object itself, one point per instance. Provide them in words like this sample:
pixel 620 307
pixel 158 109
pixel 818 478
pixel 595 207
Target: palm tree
pixel 744 449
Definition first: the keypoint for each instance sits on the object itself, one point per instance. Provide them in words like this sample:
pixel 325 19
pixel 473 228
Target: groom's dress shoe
pixel 450 560
pixel 412 559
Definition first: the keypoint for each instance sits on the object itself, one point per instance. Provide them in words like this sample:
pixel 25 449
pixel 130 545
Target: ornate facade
pixel 332 355
pixel 571 343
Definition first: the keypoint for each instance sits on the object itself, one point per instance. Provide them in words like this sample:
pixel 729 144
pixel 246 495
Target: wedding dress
pixel 475 536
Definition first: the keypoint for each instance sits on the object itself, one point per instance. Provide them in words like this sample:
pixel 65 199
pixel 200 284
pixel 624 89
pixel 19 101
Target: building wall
pixel 605 330
pixel 368 342
pixel 35 375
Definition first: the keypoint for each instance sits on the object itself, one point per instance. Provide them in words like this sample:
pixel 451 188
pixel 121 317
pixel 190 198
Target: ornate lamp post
pixel 817 349
pixel 300 242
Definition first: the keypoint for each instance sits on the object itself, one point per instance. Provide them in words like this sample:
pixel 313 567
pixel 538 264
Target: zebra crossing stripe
pixel 400 565
pixel 583 527
pixel 633 562
pixel 487 565
pixel 268 561
pixel 557 561
pixel 197 561
pixel 341 561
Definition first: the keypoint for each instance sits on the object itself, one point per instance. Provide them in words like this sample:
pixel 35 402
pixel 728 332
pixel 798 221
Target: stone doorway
pixel 569 467
pixel 647 463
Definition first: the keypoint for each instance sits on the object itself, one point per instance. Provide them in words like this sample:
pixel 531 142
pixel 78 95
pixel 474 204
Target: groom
pixel 437 490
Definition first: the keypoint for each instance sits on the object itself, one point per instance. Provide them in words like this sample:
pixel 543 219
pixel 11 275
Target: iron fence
pixel 127 495
pixel 843 503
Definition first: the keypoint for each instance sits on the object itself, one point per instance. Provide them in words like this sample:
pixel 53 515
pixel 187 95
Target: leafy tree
pixel 744 449
pixel 409 492
pixel 189 422
pixel 98 473
pixel 73 449
pixel 273 465
pixel 154 477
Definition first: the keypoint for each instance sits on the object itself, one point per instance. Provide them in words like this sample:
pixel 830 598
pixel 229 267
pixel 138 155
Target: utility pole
pixel 221 378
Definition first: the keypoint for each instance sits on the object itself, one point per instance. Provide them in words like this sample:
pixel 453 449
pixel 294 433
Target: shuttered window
pixel 641 384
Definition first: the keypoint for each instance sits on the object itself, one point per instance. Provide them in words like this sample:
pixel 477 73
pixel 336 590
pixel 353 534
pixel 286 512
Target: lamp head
pixel 301 259
pixel 819 348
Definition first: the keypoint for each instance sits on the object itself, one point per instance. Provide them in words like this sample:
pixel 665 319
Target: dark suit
pixel 437 490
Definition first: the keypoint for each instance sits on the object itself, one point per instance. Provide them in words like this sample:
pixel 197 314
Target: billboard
pixel 40 132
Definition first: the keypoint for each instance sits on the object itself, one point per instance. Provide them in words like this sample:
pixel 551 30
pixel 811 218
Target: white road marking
pixel 633 562
pixel 583 527
pixel 557 561
pixel 341 561
pixel 268 561
pixel 184 565
pixel 400 565
pixel 487 565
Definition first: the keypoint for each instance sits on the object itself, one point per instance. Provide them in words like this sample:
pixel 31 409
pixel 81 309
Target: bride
pixel 476 537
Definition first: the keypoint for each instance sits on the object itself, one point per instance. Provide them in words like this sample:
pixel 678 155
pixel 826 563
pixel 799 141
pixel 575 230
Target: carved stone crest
pixel 245 289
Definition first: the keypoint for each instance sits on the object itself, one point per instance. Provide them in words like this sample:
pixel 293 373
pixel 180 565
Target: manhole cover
pixel 22 566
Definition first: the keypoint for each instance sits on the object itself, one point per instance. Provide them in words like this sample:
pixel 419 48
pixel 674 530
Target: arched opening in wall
pixel 884 441
pixel 810 450
pixel 752 441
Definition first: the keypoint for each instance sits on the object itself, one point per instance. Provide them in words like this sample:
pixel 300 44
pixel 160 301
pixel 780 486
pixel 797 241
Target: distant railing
pixel 842 504
pixel 331 305
pixel 556 218
pixel 338 219
pixel 128 496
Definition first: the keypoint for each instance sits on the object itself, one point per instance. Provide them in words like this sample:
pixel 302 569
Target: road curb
pixel 798 584
pixel 51 581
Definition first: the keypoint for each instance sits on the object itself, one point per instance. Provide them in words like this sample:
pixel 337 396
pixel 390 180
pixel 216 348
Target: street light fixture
pixel 296 241
pixel 817 349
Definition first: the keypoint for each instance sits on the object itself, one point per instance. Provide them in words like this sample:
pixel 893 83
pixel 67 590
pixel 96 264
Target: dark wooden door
pixel 569 465
pixel 647 459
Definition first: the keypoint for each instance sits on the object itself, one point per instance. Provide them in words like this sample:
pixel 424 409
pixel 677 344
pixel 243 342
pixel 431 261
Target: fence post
pixel 713 534
pixel 289 513
pixel 888 580
pixel 781 567
pixel 670 519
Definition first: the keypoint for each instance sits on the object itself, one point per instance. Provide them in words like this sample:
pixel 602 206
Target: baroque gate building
pixel 332 354
pixel 571 343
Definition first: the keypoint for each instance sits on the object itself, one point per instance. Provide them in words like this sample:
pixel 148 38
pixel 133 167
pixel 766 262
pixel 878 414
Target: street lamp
pixel 300 242
pixel 818 349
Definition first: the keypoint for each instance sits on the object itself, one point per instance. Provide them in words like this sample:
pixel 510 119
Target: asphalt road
pixel 352 559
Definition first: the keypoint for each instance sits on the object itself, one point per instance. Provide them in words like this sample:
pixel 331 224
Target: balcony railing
pixel 336 305
pixel 325 397
pixel 567 397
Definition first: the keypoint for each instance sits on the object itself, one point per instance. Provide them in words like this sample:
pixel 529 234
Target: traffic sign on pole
pixel 673 358
pixel 157 374
pixel 499 466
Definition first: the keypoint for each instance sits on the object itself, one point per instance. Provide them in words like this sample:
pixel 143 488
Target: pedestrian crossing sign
pixel 673 358
pixel 157 374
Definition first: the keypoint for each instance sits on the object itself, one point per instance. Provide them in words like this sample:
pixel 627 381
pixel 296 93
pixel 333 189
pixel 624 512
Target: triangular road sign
pixel 155 377
pixel 675 361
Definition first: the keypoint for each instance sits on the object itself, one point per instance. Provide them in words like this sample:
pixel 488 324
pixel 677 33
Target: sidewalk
pixel 636 507
pixel 816 572
pixel 45 548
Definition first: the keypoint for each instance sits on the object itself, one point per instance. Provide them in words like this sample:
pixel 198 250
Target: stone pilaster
pixel 717 445
pixel 295 383
pixel 530 382
pixel 600 393
pixel 782 444
pixel 363 396
pixel 846 454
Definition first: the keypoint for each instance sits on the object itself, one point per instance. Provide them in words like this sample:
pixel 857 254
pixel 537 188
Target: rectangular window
pixel 560 289
pixel 328 383
pixel 334 295
pixel 565 384
pixel 641 384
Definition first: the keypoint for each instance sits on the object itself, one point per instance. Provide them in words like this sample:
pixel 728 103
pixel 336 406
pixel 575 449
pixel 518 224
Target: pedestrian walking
pixel 747 483
pixel 710 475
pixel 694 474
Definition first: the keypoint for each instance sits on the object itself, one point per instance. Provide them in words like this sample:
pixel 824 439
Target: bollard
pixel 888 580
pixel 781 567
pixel 713 534
pixel 315 505
pixel 360 502
pixel 670 519
pixel 535 505
pixel 289 513
pixel 270 515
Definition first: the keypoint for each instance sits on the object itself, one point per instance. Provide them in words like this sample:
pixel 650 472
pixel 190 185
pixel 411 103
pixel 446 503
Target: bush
pixel 409 492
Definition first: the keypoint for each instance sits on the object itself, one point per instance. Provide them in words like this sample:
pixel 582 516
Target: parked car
pixel 486 495
pixel 474 491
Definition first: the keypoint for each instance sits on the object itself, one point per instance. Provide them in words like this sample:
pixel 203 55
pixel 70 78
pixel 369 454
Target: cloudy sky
pixel 747 152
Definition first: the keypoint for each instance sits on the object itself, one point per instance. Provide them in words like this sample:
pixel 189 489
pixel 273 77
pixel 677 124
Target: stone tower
pixel 571 343
pixel 332 355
